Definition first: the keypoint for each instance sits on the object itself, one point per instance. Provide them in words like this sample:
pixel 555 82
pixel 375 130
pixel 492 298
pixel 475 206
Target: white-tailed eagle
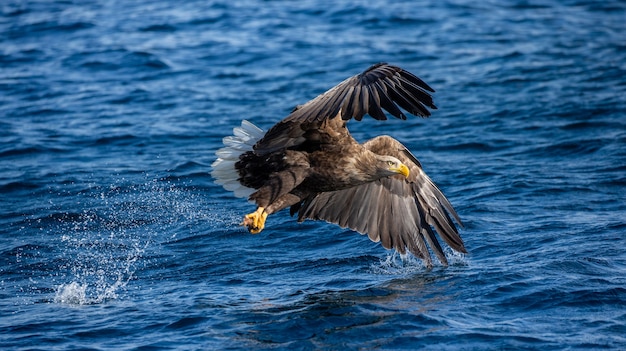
pixel 310 163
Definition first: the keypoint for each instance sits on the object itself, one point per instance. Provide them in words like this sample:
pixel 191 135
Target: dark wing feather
pixel 380 88
pixel 409 91
pixel 398 212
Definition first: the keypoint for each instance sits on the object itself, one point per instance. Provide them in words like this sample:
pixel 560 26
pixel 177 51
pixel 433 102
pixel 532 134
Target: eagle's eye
pixel 390 163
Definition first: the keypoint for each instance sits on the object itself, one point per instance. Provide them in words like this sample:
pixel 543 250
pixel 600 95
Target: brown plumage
pixel 310 163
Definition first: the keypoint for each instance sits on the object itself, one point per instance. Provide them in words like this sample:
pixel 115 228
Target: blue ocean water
pixel 114 236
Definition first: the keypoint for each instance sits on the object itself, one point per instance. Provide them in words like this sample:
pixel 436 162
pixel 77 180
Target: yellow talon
pixel 255 221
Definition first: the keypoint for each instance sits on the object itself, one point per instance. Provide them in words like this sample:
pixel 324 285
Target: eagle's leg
pixel 255 221
pixel 274 195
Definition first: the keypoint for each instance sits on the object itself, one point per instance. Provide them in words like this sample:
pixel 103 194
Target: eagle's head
pixel 389 166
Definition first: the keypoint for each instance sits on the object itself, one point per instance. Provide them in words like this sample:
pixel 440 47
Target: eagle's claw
pixel 255 221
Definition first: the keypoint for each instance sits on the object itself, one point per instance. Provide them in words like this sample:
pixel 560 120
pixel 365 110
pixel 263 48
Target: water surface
pixel 114 236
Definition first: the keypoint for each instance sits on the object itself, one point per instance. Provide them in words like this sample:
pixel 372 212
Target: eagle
pixel 310 163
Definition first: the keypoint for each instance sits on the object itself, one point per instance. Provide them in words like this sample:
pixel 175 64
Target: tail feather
pixel 223 169
pixel 221 165
pixel 248 131
pixel 235 143
pixel 228 153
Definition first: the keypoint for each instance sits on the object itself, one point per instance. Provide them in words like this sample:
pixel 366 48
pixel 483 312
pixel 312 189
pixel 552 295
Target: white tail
pixel 224 170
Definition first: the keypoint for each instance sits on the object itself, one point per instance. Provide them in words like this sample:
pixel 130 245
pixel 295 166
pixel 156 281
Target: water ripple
pixel 114 236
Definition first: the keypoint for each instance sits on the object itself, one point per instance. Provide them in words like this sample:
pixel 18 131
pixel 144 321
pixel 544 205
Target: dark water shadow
pixel 399 309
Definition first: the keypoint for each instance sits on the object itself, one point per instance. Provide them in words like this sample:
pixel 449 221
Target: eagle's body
pixel 310 163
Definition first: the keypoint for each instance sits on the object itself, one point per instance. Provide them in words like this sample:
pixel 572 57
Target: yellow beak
pixel 402 169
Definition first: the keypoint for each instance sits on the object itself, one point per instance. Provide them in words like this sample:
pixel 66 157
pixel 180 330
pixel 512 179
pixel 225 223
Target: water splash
pixel 99 284
pixel 72 294
pixel 399 264
pixel 119 227
pixel 75 293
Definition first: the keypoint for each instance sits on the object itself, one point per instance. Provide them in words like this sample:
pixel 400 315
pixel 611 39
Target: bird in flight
pixel 310 163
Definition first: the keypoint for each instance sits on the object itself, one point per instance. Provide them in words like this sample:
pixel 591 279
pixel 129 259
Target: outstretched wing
pixel 380 87
pixel 400 213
